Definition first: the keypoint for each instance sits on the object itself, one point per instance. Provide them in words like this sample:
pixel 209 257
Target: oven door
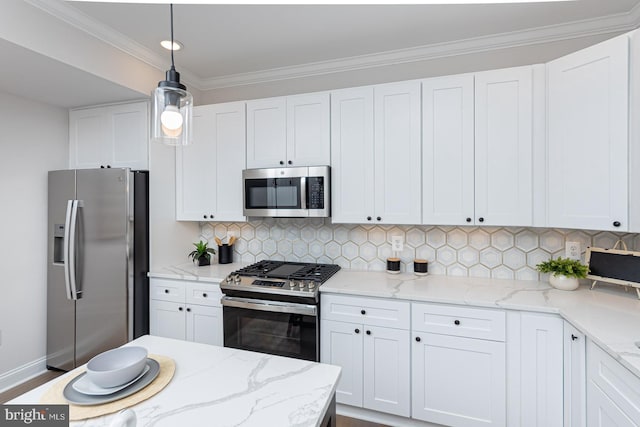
pixel 273 327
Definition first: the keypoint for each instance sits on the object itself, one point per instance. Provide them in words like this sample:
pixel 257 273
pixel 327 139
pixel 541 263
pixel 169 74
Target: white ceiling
pixel 228 45
pixel 228 40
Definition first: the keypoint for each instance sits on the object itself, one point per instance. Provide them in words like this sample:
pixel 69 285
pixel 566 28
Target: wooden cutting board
pixel 76 413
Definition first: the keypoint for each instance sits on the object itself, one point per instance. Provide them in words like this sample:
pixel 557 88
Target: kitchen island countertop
pixel 226 387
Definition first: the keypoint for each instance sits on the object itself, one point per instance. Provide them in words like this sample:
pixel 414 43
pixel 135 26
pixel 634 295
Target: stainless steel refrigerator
pixel 97 286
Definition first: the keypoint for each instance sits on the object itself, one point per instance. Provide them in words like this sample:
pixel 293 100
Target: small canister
pixel 420 267
pixel 393 265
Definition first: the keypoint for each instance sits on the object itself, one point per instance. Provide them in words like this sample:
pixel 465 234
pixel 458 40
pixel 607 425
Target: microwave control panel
pixel 315 189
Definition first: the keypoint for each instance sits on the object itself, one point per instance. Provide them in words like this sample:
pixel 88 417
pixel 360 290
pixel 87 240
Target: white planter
pixel 563 282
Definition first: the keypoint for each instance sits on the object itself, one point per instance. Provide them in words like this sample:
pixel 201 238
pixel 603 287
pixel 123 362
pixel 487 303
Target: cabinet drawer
pixel 203 294
pixel 459 321
pixel 370 311
pixel 166 290
pixel 614 380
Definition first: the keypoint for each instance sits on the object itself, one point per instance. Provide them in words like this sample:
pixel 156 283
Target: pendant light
pixel 172 107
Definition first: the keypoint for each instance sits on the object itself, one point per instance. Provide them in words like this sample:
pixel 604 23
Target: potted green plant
pixel 202 253
pixel 564 272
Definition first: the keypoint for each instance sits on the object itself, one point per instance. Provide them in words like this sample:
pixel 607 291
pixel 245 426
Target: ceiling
pixel 232 40
pixel 231 45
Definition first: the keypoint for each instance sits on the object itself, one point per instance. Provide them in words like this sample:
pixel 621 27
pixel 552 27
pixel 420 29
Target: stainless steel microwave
pixel 287 192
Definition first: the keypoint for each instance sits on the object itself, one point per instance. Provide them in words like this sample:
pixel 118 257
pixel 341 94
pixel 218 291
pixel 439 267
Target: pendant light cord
pixel 172 47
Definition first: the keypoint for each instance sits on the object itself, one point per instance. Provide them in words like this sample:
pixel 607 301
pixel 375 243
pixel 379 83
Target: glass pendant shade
pixel 172 113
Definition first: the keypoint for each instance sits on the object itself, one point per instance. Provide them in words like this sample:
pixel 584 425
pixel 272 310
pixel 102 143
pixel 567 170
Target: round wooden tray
pixel 77 413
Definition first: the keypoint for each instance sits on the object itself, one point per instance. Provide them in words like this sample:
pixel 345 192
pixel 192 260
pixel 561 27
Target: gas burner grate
pixel 289 270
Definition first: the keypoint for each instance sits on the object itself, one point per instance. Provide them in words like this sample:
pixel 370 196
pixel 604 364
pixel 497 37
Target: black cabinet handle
pixel 357 331
pixel 481 219
pixel 204 295
pixel 573 337
pixel 166 291
pixel 101 166
pixel 379 219
pixel 204 216
pixel 363 312
pixel 108 166
pixel 468 219
pixel 457 322
pixel 290 162
pixel 368 332
pixel 188 309
pixel 368 218
pixel 179 308
pixel 211 216
pixel 418 339
pixel 281 162
pixel 616 223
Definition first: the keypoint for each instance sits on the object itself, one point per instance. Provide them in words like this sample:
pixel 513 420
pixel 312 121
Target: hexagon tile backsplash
pixel 498 252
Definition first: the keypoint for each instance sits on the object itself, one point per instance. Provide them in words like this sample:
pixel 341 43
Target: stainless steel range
pixel 273 307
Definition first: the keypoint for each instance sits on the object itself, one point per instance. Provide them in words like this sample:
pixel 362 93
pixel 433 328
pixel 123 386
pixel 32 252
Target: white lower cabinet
pixel 575 388
pixel 375 359
pixel 458 379
pixel 186 310
pixel 534 369
pixel 613 392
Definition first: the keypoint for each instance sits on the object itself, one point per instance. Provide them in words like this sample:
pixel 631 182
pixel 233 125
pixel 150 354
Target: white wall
pixel 33 140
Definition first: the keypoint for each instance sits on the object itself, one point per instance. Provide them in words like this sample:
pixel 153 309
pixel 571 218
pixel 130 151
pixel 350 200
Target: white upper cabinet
pixel 588 118
pixel 209 172
pixel 478 148
pixel 447 150
pixel 376 164
pixel 109 136
pixel 288 131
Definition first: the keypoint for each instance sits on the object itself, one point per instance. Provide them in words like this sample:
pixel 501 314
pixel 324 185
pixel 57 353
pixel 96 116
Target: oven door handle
pixel 273 306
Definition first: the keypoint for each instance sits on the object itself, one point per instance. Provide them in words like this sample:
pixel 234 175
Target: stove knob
pixel 312 285
pixel 236 279
pixel 229 279
pixel 292 283
pixel 303 285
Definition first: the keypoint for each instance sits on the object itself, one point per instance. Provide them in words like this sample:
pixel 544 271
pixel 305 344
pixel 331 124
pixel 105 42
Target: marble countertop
pixel 607 314
pixel 213 273
pixel 229 387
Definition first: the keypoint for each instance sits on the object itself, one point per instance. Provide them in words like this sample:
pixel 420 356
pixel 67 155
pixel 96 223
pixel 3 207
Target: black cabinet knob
pixel 573 337
pixel 368 218
pixel 166 291
pixel 357 331
pixel 468 219
pixel 108 166
pixel 188 309
pixel 290 162
pixel 179 308
pixel 457 322
pixel 204 295
pixel 101 166
pixel 379 219
pixel 481 219
pixel 281 162
pixel 616 223
pixel 363 312
pixel 418 339
pixel 204 216
pixel 368 332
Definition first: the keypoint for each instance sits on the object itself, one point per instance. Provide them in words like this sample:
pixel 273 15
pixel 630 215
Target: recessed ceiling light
pixel 167 45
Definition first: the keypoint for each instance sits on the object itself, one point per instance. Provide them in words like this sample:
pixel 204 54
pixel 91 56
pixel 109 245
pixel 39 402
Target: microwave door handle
pixel 303 192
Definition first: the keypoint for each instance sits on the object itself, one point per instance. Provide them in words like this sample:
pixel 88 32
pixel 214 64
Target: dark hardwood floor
pixel 49 375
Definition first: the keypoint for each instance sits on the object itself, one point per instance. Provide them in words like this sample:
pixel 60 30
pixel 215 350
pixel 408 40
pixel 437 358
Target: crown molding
pixel 577 29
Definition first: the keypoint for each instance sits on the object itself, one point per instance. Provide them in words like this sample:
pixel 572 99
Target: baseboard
pixel 22 373
pixel 380 417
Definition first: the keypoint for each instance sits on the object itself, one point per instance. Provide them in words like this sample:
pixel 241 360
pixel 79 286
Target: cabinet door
pixel 89 138
pixel 503 147
pixel 603 412
pixel 447 150
pixel 129 143
pixel 352 155
pixel 266 133
pixel 229 133
pixel 204 324
pixel 341 345
pixel 167 319
pixel 196 190
pixel 588 137
pixel 397 131
pixel 458 381
pixel 541 370
pixel 387 370
pixel 308 130
pixel 575 393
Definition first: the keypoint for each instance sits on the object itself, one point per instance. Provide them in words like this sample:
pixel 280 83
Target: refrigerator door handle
pixel 65 249
pixel 73 286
